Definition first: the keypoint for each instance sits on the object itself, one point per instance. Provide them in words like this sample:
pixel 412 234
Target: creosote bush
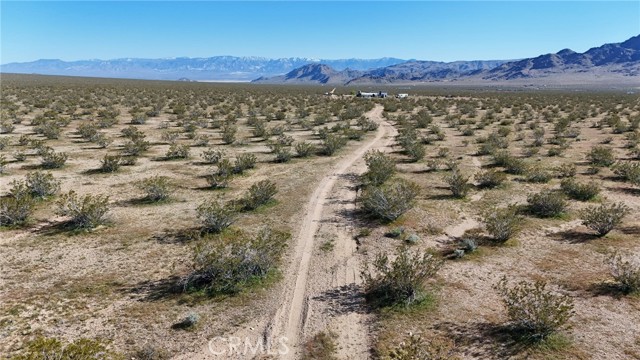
pixel 52 159
pixel 458 184
pixel 625 273
pixel 259 193
pixel 212 156
pixel 177 151
pixel 389 201
pixel 16 208
pixel 53 349
pixel 417 348
pixel 547 204
pixel 601 156
pixel 502 223
pixel 579 191
pixel 304 149
pixel 156 188
pixel 332 143
pixel 602 219
pixel 400 281
pixel 380 168
pixel 490 178
pixel 216 216
pixel 226 266
pixel 535 311
pixel 42 184
pixel 244 162
pixel 86 211
pixel 111 163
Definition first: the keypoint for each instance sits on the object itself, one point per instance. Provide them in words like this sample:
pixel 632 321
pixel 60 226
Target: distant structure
pixel 379 94
pixel 402 96
pixel 330 93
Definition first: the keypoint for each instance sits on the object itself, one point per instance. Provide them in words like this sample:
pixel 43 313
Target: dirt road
pixel 291 317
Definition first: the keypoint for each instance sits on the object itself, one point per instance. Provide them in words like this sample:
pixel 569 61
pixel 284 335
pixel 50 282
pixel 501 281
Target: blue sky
pixel 427 30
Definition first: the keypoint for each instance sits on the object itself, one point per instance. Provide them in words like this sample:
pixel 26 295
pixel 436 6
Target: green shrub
pixel 244 162
pixel 547 204
pixel 601 156
pixel 259 193
pixel 212 156
pixel 579 191
pixel 222 176
pixel 502 223
pixel 490 178
pixel 565 170
pixel 177 151
pixel 401 280
pixel 282 152
pixel 16 208
pixel 389 201
pixel 537 174
pixel 458 184
pixel 156 188
pixel 111 163
pixel 415 151
pixel 417 348
pixel 53 349
pixel 534 310
pixel 215 216
pixel 322 346
pixel 136 147
pixel 304 149
pixel 85 212
pixel 380 168
pixel 625 273
pixel 229 134
pixel 41 184
pixel 332 143
pixel 227 267
pixel 604 218
pixel 628 171
pixel 52 159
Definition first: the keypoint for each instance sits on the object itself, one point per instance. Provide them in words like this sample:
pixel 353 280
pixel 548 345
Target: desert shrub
pixel 86 211
pixel 502 223
pixel 42 184
pixel 546 204
pixel 111 163
pixel 139 119
pixel 170 136
pixel 535 311
pixel 52 159
pixel 16 208
pixel 282 152
pixel 132 133
pixel 101 140
pixel 229 134
pixel 565 170
pixel 53 349
pixel 516 166
pixel 625 273
pixel 150 352
pixel 304 149
pixel 136 147
pixel 215 216
pixel 380 168
pixel 87 130
pixel 417 348
pixel 415 151
pixel 212 156
pixel 3 163
pixel 458 184
pixel 177 151
pixel 628 171
pixel 226 267
pixel 601 156
pixel 222 176
pixel 259 193
pixel 201 140
pixel 244 162
pixel 389 201
pixel 579 191
pixel 322 346
pixel 332 143
pixel 156 188
pixel 602 219
pixel 490 178
pixel 401 280
pixel 537 174
pixel 20 156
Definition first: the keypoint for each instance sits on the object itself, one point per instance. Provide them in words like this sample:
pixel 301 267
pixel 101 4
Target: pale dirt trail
pixel 290 317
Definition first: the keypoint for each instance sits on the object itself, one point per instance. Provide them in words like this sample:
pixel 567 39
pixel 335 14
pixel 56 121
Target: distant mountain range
pixel 612 63
pixel 230 68
pixel 609 62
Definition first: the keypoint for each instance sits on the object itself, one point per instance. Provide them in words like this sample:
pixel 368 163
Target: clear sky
pixel 425 30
